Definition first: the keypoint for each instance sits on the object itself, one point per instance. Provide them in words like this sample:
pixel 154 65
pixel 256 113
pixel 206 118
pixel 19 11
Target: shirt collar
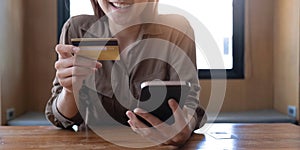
pixel 151 29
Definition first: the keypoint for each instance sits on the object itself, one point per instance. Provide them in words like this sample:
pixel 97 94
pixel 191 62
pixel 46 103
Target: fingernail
pixel 98 65
pixel 138 110
pixel 76 49
pixel 172 103
pixel 129 122
pixel 128 114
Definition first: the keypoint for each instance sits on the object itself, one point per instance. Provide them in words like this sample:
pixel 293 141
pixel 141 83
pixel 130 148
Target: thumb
pixel 66 51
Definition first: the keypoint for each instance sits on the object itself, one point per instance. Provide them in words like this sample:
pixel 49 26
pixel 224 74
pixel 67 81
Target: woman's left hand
pixel 176 134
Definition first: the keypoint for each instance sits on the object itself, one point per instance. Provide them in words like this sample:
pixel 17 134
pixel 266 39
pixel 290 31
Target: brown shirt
pixel 164 50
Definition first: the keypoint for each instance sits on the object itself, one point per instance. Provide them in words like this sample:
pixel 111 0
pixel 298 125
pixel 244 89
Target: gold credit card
pixel 98 48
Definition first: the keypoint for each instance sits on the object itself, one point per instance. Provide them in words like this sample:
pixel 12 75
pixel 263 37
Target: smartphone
pixel 155 95
pixel 98 48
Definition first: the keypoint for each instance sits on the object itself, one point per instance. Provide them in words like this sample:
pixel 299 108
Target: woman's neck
pixel 125 35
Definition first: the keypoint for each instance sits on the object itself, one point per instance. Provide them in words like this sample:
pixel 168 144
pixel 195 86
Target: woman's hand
pixel 176 134
pixel 72 69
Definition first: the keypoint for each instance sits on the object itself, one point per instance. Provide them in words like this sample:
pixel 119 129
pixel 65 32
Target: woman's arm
pixel 71 70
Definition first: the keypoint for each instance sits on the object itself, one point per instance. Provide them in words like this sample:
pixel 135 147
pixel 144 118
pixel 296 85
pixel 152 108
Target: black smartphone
pixel 155 95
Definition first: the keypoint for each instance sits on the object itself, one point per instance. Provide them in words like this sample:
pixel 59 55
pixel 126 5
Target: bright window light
pixel 78 7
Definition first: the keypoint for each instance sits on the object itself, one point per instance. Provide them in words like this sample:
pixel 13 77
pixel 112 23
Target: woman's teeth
pixel 120 5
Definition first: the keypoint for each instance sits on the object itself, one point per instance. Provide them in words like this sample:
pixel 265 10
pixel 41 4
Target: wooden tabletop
pixel 212 136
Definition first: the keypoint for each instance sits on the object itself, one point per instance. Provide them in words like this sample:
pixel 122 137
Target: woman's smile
pixel 116 5
pixel 123 12
pixel 120 5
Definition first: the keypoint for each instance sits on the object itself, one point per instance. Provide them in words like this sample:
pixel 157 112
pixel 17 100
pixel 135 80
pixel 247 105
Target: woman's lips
pixel 119 5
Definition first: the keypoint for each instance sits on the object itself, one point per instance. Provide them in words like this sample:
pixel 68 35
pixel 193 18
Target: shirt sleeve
pixel 51 111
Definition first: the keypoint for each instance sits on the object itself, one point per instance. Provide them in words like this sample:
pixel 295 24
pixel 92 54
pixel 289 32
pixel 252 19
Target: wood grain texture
pixel 12 59
pixel 286 54
pixel 245 136
pixel 250 136
pixel 40 37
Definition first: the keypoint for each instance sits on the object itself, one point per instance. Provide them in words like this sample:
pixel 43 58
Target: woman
pixel 140 32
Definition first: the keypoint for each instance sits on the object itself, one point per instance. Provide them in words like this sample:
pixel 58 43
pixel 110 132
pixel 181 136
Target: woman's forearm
pixel 66 104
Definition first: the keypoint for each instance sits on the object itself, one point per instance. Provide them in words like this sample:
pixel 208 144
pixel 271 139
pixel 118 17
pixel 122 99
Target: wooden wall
pixel 40 37
pixel 286 54
pixel 11 53
pixel 2 47
pixel 28 36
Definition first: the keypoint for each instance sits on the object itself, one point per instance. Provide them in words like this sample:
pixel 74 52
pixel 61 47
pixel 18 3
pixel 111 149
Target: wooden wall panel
pixel 286 54
pixel 12 93
pixel 2 48
pixel 40 40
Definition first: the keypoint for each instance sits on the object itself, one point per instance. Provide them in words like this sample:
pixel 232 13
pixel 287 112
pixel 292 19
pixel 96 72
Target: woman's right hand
pixel 71 70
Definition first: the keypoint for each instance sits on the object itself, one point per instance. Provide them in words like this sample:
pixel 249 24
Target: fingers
pixel 74 71
pixel 137 126
pixel 160 126
pixel 134 121
pixel 86 62
pixel 71 69
pixel 154 121
pixel 71 82
pixel 66 51
pixel 64 63
pixel 73 75
pixel 77 61
pixel 177 113
pixel 176 134
pixel 181 124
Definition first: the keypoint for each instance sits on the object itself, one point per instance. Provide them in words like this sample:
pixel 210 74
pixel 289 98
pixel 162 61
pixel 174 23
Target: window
pixel 233 46
pixel 225 22
pixel 63 14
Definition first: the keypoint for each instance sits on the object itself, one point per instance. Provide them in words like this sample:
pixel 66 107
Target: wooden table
pixel 215 136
